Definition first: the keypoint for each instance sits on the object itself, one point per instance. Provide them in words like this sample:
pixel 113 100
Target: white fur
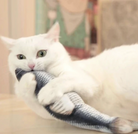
pixel 108 82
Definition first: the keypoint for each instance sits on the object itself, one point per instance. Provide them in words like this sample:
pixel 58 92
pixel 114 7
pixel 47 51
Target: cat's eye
pixel 41 53
pixel 21 56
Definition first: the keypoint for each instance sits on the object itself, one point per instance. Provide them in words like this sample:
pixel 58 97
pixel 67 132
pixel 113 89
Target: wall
pixel 22 21
pixel 17 19
pixel 118 23
pixel 4 30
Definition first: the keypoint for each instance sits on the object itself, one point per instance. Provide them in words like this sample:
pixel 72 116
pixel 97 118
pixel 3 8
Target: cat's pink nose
pixel 31 66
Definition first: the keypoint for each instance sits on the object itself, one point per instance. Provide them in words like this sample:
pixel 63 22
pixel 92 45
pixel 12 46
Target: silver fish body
pixel 82 115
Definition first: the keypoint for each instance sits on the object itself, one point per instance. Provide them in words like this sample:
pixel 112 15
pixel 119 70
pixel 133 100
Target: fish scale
pixel 83 115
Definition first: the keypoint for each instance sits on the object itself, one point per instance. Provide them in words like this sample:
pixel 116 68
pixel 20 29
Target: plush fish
pixel 72 109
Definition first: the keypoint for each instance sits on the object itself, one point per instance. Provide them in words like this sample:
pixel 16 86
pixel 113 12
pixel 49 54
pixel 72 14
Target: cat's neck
pixel 91 67
pixel 60 67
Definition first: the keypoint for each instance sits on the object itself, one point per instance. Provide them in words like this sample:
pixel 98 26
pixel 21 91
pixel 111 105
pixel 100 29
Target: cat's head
pixel 39 52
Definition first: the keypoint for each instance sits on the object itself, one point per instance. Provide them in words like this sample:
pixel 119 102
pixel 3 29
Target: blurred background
pixel 87 26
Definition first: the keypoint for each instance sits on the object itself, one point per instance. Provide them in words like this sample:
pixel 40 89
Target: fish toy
pixel 73 110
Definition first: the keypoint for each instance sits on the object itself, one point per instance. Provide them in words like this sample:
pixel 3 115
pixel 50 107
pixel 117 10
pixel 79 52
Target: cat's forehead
pixel 31 44
pixel 31 40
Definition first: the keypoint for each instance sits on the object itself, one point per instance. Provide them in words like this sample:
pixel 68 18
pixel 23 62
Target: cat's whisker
pixel 39 65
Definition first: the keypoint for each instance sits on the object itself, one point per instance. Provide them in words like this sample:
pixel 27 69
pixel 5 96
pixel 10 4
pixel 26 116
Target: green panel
pixel 76 39
pixel 41 16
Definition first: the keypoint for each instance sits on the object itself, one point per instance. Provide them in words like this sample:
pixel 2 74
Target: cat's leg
pixel 25 90
pixel 83 85
pixel 25 87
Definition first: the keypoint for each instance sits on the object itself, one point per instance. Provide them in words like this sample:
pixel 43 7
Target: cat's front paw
pixel 26 86
pixel 57 87
pixel 49 94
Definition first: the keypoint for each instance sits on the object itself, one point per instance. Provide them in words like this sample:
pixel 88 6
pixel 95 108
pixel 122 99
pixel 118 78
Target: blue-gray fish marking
pixel 83 115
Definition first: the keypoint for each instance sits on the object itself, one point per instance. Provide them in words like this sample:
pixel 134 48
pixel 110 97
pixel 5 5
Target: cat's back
pixel 119 88
pixel 121 67
pixel 121 52
pixel 119 58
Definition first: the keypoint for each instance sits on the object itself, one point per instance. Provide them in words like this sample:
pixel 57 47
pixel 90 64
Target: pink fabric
pixel 95 9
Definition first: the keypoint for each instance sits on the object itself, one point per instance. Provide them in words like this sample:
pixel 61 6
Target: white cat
pixel 108 82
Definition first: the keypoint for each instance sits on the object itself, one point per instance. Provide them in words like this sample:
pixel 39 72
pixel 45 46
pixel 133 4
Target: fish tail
pixel 122 126
pixel 135 125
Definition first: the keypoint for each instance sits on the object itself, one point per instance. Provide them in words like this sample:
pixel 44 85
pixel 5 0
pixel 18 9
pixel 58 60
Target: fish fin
pixel 63 106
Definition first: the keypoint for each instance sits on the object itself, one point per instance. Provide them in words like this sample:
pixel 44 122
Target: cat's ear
pixel 8 41
pixel 54 32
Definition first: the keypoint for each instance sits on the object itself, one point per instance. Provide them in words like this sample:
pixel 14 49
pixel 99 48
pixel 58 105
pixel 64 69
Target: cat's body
pixel 116 72
pixel 107 82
